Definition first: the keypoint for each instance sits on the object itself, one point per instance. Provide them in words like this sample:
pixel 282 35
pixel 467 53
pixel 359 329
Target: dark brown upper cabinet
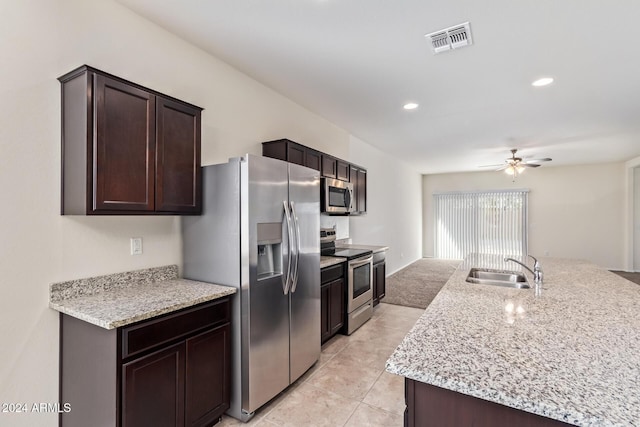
pixel 342 170
pixel 358 177
pixel 334 168
pixel 127 149
pixel 329 166
pixel 292 152
pixel 329 169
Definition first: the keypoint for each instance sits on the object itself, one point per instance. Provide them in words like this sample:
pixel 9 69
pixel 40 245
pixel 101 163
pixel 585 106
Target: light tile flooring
pixel 348 386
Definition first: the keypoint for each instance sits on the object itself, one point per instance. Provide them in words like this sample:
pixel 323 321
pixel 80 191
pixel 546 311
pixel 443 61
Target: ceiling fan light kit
pixel 514 166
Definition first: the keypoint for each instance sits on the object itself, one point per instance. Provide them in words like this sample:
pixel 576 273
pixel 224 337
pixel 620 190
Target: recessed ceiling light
pixel 410 106
pixel 542 82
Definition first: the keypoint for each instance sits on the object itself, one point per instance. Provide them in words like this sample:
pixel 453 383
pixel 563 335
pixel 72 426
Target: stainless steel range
pixel 359 297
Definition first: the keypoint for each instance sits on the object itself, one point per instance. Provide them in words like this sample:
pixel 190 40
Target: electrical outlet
pixel 136 246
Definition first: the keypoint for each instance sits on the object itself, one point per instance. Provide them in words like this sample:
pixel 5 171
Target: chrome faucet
pixel 537 269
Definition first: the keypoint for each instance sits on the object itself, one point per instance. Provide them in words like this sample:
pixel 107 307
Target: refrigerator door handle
pixel 296 225
pixel 286 279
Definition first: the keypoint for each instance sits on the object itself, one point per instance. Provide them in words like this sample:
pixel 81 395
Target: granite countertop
pixel 328 261
pixel 373 248
pixel 571 354
pixel 120 299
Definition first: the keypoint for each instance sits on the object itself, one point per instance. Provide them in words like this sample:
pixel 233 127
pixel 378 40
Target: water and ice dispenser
pixel 269 250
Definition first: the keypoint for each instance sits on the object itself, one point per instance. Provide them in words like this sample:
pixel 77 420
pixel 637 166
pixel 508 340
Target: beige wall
pixel 574 211
pixel 633 215
pixel 394 209
pixel 39 41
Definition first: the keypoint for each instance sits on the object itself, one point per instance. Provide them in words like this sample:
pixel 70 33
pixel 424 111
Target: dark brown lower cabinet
pixel 379 277
pixel 153 389
pixel 430 406
pixel 332 300
pixel 173 370
pixel 207 376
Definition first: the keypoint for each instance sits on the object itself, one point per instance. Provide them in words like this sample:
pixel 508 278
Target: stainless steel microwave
pixel 336 196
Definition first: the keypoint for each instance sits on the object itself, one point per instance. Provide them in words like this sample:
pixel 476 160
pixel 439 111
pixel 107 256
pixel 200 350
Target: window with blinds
pixel 492 222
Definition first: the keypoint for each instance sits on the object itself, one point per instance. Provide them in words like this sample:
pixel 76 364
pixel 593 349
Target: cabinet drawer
pixel 331 273
pixel 146 335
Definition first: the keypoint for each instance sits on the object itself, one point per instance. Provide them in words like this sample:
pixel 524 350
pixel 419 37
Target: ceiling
pixel 357 62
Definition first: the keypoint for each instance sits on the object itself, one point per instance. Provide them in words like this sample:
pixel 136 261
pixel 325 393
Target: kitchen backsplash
pixel 340 222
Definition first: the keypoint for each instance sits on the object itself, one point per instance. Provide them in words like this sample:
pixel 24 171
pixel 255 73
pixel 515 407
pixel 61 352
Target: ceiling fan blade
pixel 529 165
pixel 502 167
pixel 491 166
pixel 537 160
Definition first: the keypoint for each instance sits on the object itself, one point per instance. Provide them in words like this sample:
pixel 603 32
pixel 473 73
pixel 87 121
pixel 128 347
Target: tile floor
pixel 348 386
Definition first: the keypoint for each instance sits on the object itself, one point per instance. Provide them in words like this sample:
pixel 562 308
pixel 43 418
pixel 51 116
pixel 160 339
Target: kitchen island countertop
pixel 120 299
pixel 571 354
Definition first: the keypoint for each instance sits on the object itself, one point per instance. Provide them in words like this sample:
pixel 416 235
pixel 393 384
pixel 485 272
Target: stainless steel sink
pixel 508 279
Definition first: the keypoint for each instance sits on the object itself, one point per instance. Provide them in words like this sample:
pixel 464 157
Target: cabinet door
pixel 325 329
pixel 208 381
pixel 342 170
pixel 313 159
pixel 353 179
pixel 275 149
pixel 336 314
pixel 361 191
pixel 153 389
pixel 123 148
pixel 379 282
pixel 328 166
pixel 295 153
pixel 178 181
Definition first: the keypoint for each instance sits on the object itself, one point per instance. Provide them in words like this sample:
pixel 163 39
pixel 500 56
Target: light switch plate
pixel 136 246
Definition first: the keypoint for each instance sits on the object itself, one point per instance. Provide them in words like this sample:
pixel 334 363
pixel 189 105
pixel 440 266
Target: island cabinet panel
pixel 127 149
pixel 430 406
pixel 173 370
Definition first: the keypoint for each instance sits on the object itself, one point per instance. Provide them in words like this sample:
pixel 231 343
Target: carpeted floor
pixel 417 284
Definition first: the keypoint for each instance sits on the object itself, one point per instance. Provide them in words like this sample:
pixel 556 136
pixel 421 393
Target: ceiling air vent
pixel 450 38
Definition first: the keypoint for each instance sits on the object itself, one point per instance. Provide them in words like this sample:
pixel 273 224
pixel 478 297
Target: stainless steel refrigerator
pixel 260 232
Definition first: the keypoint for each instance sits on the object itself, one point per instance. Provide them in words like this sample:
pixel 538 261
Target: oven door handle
pixel 359 263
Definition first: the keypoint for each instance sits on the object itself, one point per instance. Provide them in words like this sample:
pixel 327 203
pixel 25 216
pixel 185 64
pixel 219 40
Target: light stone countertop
pixel 373 248
pixel 571 354
pixel 120 299
pixel 328 261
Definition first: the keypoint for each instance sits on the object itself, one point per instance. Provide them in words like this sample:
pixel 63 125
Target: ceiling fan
pixel 516 165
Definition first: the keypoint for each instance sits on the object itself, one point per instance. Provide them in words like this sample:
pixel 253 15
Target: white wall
pixel 394 212
pixel 574 211
pixel 41 40
pixel 633 214
pixel 636 219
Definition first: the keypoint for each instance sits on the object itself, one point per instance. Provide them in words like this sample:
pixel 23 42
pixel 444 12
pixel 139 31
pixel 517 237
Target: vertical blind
pixel 492 222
